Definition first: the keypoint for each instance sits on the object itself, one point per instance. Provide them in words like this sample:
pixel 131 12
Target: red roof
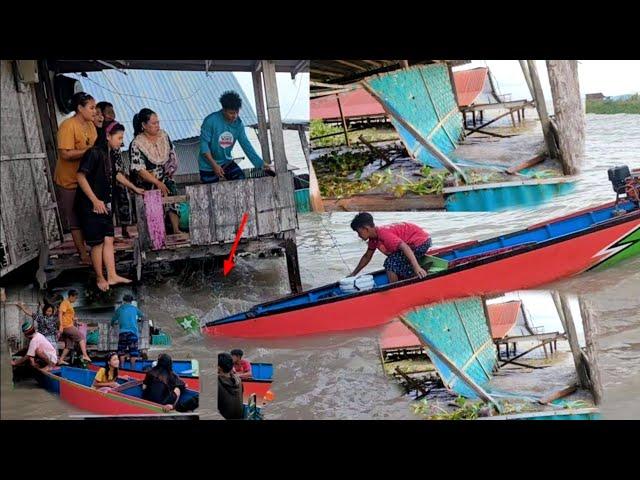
pixel 356 103
pixel 503 317
pixel 469 84
pixel 397 335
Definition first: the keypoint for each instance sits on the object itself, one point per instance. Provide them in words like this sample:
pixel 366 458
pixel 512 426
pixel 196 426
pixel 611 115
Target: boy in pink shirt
pixel 403 244
pixel 240 366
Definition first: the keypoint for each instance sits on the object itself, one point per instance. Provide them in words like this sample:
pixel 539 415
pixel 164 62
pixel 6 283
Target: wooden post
pixel 344 122
pixel 293 267
pixel 542 109
pixel 569 115
pixel 314 189
pixel 275 120
pixel 590 331
pixel 446 161
pixel 572 337
pixel 404 63
pixel 263 133
pixel 527 77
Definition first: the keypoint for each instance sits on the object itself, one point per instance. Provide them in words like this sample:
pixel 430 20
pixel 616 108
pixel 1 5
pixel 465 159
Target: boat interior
pixel 457 255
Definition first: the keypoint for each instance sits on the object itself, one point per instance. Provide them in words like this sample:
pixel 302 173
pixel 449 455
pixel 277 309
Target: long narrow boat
pixel 260 382
pixel 590 239
pixel 187 370
pixel 73 385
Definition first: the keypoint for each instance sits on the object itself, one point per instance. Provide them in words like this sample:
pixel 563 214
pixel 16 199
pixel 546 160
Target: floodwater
pixel 339 376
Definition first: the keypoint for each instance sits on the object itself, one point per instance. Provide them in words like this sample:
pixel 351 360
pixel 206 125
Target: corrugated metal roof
pixel 469 84
pixel 181 99
pixel 503 317
pixel 356 103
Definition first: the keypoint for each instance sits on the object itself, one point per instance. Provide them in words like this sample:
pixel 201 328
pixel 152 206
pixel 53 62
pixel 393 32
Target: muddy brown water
pixel 339 376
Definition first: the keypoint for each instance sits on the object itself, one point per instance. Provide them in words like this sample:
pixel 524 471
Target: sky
pixel 292 93
pixel 611 77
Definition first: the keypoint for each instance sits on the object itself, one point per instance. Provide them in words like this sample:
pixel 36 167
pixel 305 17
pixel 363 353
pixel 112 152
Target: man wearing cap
pixel 40 353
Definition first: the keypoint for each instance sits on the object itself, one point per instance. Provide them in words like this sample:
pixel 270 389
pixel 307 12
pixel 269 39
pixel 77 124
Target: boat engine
pixel 625 182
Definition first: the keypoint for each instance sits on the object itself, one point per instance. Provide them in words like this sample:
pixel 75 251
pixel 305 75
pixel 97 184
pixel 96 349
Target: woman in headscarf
pixel 161 385
pixel 153 159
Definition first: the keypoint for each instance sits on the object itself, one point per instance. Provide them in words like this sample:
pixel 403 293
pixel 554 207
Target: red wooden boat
pixel 590 239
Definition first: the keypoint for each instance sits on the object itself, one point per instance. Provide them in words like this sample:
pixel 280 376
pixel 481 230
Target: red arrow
pixel 229 263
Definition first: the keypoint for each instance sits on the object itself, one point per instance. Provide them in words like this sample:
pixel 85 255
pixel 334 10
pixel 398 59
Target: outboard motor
pixel 625 183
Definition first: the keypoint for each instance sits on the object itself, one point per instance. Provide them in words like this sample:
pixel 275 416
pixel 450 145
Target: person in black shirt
pixel 161 385
pixel 93 203
pixel 230 389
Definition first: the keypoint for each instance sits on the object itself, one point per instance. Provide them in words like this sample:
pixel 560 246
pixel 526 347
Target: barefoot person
pixel 40 353
pixel 75 136
pixel 404 244
pixel 93 204
pixel 69 333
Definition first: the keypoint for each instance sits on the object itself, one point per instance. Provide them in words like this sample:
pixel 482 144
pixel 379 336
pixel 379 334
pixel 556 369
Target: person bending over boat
pixel 68 330
pixel 93 204
pixel 106 378
pixel 404 244
pixel 126 317
pixel 218 135
pixel 161 385
pixel 241 367
pixel 229 389
pixel 41 354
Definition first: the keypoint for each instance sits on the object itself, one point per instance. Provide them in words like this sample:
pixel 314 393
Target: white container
pixel 357 284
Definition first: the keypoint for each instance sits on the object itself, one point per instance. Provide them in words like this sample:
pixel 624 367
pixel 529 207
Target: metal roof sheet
pixel 503 317
pixel 470 84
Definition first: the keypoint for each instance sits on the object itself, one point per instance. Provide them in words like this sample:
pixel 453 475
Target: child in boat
pixel 126 317
pixel 229 389
pixel 40 353
pixel 404 244
pixel 161 385
pixel 241 367
pixel 107 376
pixel 68 330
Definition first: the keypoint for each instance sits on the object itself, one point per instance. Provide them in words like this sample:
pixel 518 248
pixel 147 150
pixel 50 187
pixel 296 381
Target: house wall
pixel 29 217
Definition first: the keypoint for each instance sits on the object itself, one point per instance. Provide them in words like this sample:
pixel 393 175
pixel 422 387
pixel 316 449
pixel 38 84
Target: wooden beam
pixel 404 63
pixel 263 133
pixel 344 122
pixel 563 392
pixel 569 113
pixel 298 68
pixel 527 163
pixel 474 130
pixel 273 111
pixel 314 189
pixel 590 333
pixel 352 65
pixel 542 344
pixel 572 337
pixel 446 161
pixel 542 109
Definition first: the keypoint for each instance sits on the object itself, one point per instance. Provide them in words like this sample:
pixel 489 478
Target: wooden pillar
pixel 564 312
pixel 519 118
pixel 590 331
pixel 263 134
pixel 314 190
pixel 513 120
pixel 275 120
pixel 473 117
pixel 344 122
pixel 569 115
pixel 541 107
pixel 527 78
pixel 404 63
pixel 293 267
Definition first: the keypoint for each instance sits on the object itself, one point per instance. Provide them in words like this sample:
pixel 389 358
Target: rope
pixel 335 244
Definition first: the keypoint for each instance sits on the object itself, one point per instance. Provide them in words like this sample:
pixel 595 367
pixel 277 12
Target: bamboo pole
pixel 314 189
pixel 344 122
pixel 263 134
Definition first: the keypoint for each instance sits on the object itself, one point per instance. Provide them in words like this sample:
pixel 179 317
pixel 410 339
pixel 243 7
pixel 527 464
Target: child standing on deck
pixel 404 244
pixel 126 317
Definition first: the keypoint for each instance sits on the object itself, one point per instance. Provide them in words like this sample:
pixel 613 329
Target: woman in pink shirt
pixel 403 244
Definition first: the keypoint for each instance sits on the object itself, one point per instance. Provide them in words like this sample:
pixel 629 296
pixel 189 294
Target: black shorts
pixel 96 227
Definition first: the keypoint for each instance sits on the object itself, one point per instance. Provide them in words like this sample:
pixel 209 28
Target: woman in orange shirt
pixel 75 136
